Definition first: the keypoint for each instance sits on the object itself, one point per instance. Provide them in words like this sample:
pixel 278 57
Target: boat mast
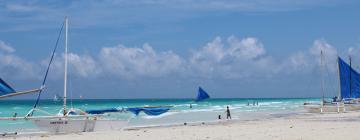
pixel 339 94
pixel 350 77
pixel 66 63
pixel 322 77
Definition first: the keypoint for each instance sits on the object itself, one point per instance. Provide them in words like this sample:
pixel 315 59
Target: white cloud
pixel 247 48
pixel 329 53
pixel 14 66
pixel 130 62
pixel 6 47
pixel 84 65
pixel 236 58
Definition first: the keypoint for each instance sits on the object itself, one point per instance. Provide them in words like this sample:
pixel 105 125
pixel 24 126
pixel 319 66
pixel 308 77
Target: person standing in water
pixel 228 115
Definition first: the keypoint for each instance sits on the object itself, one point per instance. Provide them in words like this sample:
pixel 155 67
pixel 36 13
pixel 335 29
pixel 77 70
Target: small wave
pixel 159 116
pixel 17 108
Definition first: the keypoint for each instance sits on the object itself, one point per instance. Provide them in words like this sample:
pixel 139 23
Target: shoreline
pixel 296 126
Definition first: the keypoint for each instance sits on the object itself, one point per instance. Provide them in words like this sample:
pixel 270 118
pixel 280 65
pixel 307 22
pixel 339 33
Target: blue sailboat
pixel 348 98
pixel 202 95
pixel 349 81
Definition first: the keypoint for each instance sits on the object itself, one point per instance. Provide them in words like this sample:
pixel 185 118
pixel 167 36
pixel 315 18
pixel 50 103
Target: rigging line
pixel 48 67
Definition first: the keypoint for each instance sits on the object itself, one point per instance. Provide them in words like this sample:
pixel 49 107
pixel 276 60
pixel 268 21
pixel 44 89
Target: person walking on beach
pixel 228 115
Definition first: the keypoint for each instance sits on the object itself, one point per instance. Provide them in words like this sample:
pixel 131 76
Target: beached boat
pixel 73 119
pixel 348 98
pixel 68 120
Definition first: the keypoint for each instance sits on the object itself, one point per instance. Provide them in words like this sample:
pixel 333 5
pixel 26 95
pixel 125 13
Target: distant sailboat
pixel 56 98
pixel 349 91
pixel 202 95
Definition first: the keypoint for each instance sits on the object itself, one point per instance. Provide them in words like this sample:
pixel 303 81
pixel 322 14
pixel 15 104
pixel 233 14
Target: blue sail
pixel 148 111
pixel 349 80
pixel 102 111
pixel 202 95
pixel 5 88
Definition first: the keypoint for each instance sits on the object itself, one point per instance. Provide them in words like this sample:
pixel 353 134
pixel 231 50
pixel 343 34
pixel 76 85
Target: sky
pixel 123 49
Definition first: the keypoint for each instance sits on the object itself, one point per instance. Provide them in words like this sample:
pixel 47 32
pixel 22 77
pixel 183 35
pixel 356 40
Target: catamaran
pixel 68 120
pixel 348 98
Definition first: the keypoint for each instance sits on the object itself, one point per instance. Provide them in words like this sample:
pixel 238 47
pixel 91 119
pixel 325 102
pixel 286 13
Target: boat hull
pixel 78 125
pixel 74 126
pixel 316 108
pixel 65 125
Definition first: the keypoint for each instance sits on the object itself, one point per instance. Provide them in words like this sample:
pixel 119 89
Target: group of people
pixel 254 103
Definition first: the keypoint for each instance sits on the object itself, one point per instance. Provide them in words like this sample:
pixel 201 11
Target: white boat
pixel 74 120
pixel 68 120
pixel 348 98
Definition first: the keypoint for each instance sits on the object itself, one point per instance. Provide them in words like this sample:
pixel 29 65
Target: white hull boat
pixel 348 98
pixel 66 125
pixel 316 108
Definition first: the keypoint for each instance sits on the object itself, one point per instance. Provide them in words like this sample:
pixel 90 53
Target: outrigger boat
pixel 348 98
pixel 68 120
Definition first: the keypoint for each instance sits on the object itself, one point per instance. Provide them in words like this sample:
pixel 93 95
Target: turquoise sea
pixel 180 112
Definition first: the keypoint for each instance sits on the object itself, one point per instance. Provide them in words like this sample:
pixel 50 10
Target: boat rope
pixel 47 71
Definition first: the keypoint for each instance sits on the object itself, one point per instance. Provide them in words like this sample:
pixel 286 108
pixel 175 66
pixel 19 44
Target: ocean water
pixel 180 112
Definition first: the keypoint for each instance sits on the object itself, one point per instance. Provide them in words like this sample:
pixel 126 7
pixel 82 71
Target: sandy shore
pixel 296 127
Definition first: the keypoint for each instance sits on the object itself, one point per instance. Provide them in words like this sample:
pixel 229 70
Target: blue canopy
pixel 5 88
pixel 202 95
pixel 148 111
pixel 102 111
pixel 349 80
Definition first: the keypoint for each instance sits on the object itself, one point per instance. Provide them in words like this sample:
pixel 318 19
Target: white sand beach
pixel 295 127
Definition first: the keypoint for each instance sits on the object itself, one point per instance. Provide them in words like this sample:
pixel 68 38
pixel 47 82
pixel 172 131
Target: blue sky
pixel 167 48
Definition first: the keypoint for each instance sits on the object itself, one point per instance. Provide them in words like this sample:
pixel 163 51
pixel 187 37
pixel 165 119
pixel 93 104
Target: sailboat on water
pixel 56 98
pixel 348 98
pixel 68 119
pixel 202 95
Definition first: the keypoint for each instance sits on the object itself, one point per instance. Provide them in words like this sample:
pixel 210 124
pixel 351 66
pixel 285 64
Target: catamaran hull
pixel 74 126
pixel 332 108
pixel 65 126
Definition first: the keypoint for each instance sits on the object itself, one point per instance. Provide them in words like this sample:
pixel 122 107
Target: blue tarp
pixel 148 111
pixel 349 80
pixel 5 88
pixel 102 111
pixel 202 95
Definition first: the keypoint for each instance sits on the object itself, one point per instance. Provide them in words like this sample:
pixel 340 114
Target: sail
pixel 5 88
pixel 202 95
pixel 102 111
pixel 148 111
pixel 349 80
